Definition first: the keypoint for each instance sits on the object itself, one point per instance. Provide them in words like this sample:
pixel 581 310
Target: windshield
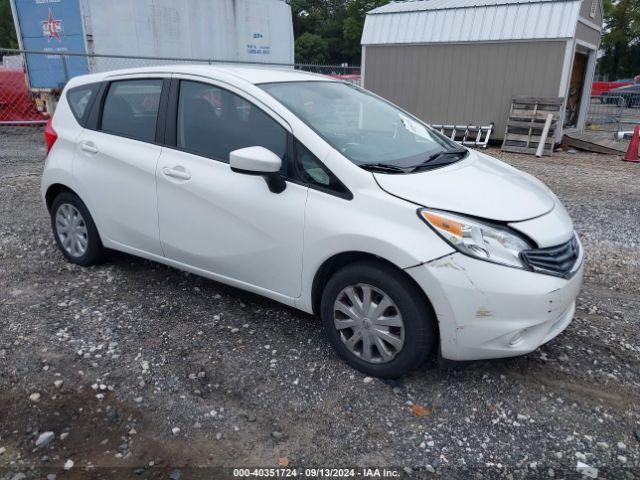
pixel 364 128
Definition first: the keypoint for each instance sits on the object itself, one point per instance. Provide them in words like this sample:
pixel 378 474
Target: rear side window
pixel 131 108
pixel 80 100
pixel 213 122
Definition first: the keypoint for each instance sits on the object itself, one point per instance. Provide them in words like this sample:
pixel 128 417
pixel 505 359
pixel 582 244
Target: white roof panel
pixel 448 21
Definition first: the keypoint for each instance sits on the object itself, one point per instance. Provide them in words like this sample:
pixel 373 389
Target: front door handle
pixel 88 147
pixel 177 172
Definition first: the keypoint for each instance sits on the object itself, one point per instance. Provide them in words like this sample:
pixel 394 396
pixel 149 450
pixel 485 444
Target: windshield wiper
pixel 440 158
pixel 382 167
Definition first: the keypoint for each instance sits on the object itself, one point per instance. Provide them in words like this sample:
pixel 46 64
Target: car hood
pixel 479 185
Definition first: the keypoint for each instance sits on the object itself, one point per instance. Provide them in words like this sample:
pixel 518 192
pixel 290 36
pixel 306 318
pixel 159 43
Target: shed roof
pixel 448 21
pixel 421 5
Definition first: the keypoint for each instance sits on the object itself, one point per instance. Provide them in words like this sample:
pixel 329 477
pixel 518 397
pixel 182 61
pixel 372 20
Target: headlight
pixel 480 240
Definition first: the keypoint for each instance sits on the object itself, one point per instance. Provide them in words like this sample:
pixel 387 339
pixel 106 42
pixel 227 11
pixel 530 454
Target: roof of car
pixel 252 74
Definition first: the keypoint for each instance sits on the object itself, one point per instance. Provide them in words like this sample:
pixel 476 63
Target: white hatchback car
pixel 320 195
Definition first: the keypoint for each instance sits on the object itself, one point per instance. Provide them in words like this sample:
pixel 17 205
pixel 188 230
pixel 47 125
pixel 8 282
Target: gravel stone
pixel 140 328
pixel 45 438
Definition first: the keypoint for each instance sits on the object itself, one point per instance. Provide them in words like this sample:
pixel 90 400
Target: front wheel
pixel 377 320
pixel 75 233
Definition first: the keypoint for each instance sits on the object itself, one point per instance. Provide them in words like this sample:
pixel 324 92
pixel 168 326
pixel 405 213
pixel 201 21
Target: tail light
pixel 50 135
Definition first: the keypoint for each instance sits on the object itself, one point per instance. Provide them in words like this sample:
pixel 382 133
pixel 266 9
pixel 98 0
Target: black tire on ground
pixel 95 251
pixel 418 318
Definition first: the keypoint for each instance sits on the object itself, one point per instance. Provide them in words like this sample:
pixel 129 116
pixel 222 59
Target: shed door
pixel 574 98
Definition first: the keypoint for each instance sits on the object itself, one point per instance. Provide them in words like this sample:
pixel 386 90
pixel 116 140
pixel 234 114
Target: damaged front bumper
pixel 486 310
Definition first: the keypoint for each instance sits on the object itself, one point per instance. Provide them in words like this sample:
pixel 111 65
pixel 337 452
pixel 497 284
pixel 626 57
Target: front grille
pixel 559 260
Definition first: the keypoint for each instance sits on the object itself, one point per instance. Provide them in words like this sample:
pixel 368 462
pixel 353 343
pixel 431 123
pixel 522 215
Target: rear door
pixel 222 222
pixel 116 163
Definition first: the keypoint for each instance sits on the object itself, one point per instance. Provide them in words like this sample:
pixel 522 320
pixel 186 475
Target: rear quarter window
pixel 80 100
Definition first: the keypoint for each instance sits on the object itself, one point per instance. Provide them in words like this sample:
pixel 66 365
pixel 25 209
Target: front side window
pixel 131 108
pixel 214 122
pixel 312 172
pixel 364 128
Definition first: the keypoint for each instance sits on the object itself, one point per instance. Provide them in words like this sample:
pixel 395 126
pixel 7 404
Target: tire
pixel 416 316
pixel 68 206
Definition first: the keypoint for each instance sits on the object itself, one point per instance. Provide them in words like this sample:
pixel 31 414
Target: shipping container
pixel 236 30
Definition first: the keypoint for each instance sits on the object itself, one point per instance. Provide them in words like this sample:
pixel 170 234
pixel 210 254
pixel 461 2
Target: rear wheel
pixel 377 319
pixel 75 233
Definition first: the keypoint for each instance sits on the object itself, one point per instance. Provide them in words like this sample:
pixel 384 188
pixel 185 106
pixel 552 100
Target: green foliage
pixel 331 29
pixel 7 30
pixel 311 48
pixel 621 40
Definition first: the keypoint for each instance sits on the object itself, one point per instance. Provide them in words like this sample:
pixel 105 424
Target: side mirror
pixel 259 161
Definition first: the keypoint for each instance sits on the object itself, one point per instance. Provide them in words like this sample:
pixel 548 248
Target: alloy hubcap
pixel 369 323
pixel 72 230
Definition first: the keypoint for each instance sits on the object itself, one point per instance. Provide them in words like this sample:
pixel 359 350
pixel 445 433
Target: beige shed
pixel 462 61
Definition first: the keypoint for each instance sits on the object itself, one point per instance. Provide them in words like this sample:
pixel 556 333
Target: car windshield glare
pixel 363 127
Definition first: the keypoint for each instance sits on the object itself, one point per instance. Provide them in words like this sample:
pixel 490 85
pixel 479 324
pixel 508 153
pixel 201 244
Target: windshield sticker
pixel 414 127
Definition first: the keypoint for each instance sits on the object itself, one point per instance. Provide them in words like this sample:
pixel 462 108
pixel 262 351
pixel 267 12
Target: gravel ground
pixel 143 371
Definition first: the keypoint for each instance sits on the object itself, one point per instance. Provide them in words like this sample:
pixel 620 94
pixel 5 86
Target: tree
pixel 7 30
pixel 311 48
pixel 621 40
pixel 338 23
pixel 353 25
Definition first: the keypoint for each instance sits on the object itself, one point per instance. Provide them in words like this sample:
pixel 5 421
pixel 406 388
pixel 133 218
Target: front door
pixel 225 223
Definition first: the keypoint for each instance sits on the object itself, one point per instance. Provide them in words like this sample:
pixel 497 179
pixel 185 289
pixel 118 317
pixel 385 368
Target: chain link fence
pixel 24 104
pixel 614 111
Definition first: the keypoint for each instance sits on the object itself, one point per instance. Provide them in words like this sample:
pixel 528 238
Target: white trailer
pixel 233 30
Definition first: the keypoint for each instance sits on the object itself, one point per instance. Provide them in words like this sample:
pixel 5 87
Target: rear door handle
pixel 89 147
pixel 177 172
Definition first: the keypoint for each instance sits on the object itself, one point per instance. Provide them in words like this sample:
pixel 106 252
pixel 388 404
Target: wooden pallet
pixel 526 121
